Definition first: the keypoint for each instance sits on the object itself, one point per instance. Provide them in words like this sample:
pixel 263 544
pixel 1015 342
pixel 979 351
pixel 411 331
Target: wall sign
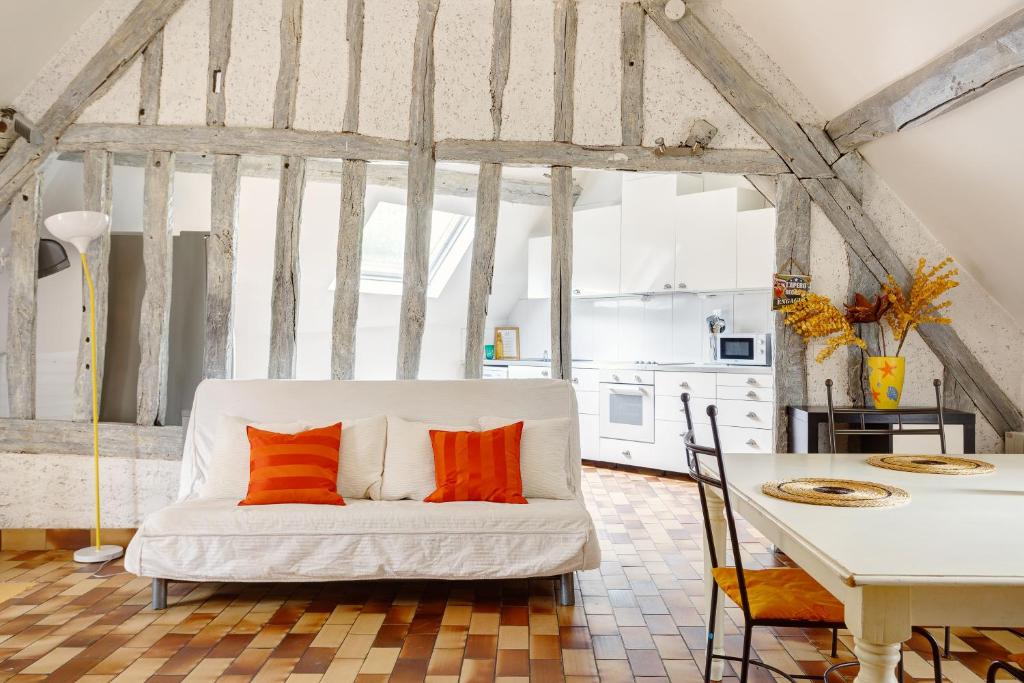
pixel 788 288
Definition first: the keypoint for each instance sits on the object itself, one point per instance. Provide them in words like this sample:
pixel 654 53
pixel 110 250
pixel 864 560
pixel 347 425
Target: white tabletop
pixel 955 530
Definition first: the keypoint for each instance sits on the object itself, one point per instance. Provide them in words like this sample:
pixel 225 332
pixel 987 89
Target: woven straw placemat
pixel 844 493
pixel 931 464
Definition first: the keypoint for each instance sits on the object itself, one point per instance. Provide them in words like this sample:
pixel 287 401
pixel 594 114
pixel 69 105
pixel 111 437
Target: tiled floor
pixel 637 618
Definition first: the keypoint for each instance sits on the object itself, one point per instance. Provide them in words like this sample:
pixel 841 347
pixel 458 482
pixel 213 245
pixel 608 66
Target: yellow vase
pixel 885 376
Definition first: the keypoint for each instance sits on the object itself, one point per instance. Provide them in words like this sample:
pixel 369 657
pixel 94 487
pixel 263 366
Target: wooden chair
pixel 870 427
pixel 1014 665
pixel 784 596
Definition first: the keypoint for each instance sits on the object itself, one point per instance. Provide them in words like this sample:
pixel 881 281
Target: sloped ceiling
pixel 961 173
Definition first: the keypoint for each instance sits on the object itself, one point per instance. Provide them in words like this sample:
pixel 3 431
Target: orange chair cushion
pixel 294 468
pixel 477 465
pixel 783 594
pixel 1017 659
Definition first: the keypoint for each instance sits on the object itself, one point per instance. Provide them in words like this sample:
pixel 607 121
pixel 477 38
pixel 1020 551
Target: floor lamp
pixel 80 228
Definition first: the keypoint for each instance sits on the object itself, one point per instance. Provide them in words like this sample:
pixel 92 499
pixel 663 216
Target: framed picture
pixel 506 343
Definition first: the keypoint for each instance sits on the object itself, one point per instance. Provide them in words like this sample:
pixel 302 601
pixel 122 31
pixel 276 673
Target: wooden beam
pixel 847 215
pixel 154 321
pixel 75 438
pixel 420 197
pixel 632 45
pixel 110 61
pixel 347 270
pixel 501 53
pixel 221 14
pixel 218 361
pixel 514 153
pixel 741 90
pixel 565 67
pixel 354 36
pixel 152 70
pixel 792 243
pixel 561 273
pixel 224 140
pixel 986 61
pixel 21 300
pixel 769 119
pixel 481 272
pixel 284 303
pixel 97 170
pixel 288 71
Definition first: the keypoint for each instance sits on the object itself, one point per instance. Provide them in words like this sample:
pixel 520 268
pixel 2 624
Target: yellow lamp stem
pixel 95 402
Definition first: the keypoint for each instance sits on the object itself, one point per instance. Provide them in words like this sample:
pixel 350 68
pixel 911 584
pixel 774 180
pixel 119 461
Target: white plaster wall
pixel 55 491
pixel 184 80
pixel 323 66
pixel 251 77
pixel 528 108
pixel 598 77
pixel 463 41
pixel 385 91
pixel 120 104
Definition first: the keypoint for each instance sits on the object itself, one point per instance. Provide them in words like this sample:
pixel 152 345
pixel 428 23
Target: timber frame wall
pixel 804 166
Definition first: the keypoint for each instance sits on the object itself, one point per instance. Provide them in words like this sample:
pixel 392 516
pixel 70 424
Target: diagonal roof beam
pixel 144 22
pixel 766 116
pixel 981 64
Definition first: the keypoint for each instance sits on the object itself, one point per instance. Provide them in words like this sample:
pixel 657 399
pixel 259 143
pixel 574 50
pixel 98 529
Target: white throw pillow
pixel 543 455
pixel 360 464
pixel 409 459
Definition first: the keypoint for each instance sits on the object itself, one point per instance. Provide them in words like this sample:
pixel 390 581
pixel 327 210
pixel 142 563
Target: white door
pixel 705 244
pixel 595 250
pixel 648 233
pixel 538 268
pixel 755 248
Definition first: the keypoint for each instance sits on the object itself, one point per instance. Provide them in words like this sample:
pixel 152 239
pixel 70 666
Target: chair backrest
pixel 703 478
pixel 871 424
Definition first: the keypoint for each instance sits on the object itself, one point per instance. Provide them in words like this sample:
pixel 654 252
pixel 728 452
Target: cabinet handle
pixel 752 395
pixel 615 378
pixel 627 454
pixel 752 415
pixel 684 385
pixel 752 381
pixel 682 285
pixel 575 380
pixel 639 380
pixel 543 373
pixel 575 291
pixel 667 285
pixel 751 443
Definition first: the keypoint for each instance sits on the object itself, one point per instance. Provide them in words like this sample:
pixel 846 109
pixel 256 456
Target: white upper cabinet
pixel 595 251
pixel 705 240
pixel 755 248
pixel 538 268
pixel 648 233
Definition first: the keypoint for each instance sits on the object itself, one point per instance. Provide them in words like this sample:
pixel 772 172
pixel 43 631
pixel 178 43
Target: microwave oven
pixel 744 349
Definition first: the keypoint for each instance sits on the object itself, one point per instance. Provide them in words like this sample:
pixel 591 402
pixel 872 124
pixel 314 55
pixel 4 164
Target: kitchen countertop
pixel 667 367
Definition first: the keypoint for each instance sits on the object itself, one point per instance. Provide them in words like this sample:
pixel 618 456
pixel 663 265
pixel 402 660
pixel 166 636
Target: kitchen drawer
pixel 585 379
pixel 742 440
pixel 700 384
pixel 671 409
pixel 588 402
pixel 589 444
pixel 529 371
pixel 742 379
pixel 617 376
pixel 494 372
pixel 670 447
pixel 627 452
pixel 756 414
pixel 746 393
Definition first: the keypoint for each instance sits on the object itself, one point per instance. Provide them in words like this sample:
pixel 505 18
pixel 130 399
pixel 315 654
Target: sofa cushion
pixel 294 468
pixel 360 468
pixel 477 465
pixel 409 459
pixel 543 455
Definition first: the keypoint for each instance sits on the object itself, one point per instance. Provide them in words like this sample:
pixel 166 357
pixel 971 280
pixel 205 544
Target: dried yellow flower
pixel 816 316
pixel 919 305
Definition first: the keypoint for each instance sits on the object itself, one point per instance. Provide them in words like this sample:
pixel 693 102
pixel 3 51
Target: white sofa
pixel 213 539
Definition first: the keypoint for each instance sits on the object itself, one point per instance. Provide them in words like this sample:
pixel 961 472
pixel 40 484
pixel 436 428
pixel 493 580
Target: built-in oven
pixel 744 349
pixel 627 405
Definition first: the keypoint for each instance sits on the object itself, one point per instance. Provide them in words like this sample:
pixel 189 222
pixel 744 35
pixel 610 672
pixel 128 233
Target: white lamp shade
pixel 78 227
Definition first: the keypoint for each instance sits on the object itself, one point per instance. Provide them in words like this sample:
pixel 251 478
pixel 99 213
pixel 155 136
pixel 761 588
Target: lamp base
pixel 104 553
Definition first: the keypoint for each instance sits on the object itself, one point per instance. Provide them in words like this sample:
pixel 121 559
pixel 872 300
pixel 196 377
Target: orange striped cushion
pixel 294 468
pixel 477 465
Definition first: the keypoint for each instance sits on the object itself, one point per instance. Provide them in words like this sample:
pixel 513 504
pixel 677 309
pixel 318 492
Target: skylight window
pixel 384 249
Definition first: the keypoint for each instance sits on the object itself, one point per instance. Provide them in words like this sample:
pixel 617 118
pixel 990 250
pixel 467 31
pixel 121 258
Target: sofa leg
pixel 159 594
pixel 567 589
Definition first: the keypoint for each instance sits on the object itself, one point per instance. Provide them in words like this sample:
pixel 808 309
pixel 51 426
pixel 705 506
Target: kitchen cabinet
pixel 590 448
pixel 755 248
pixel 705 240
pixel 529 371
pixel 538 268
pixel 595 251
pixel 648 235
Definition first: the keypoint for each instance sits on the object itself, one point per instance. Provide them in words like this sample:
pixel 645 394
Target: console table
pixel 808 430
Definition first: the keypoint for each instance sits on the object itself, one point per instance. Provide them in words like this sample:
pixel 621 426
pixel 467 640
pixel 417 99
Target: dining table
pixel 952 555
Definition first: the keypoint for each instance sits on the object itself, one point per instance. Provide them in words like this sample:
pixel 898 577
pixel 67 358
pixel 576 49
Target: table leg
pixel 877 661
pixel 716 517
